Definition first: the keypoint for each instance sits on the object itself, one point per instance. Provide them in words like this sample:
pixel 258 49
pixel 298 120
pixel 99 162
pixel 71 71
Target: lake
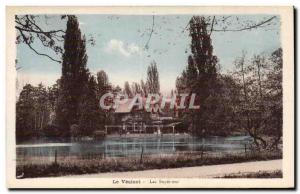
pixel 126 146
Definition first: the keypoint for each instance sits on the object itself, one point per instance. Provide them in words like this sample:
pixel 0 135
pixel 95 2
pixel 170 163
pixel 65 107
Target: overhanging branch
pixel 38 53
pixel 246 28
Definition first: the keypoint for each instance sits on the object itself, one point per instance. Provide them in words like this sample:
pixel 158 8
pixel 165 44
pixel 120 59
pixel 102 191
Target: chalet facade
pixel 129 118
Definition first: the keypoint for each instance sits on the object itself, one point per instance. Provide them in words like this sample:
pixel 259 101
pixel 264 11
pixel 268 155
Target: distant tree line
pixel 34 108
pixel 151 86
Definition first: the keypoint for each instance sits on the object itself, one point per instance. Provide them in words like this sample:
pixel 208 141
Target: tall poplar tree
pixel 74 76
pixel 127 89
pixel 153 78
pixel 200 75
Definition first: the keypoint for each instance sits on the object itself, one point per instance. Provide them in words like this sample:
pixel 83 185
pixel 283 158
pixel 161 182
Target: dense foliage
pixel 248 100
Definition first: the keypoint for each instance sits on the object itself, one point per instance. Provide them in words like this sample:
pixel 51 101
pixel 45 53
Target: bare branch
pixel 39 32
pixel 186 27
pixel 38 53
pixel 260 24
pixel 225 18
pixel 246 28
pixel 212 25
pixel 49 32
pixel 152 29
pixel 29 29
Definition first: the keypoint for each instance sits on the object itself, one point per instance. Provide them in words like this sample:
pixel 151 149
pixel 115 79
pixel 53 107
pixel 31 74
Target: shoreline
pixel 69 166
pixel 207 171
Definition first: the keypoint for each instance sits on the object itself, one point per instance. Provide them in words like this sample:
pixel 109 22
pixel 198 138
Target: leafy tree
pixel 136 88
pixel 25 113
pixel 153 78
pixel 103 85
pixel 219 107
pixel 53 92
pixel 32 112
pixel 42 109
pixel 259 110
pixel 127 90
pixel 90 118
pixel 144 88
pixel 249 107
pixel 275 95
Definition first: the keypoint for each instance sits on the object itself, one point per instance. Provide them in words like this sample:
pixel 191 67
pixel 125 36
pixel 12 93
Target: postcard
pixel 150 97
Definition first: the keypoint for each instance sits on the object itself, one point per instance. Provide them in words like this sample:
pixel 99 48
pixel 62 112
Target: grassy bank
pixel 260 174
pixel 73 166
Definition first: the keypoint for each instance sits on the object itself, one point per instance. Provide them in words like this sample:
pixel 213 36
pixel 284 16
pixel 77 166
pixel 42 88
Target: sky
pixel 120 47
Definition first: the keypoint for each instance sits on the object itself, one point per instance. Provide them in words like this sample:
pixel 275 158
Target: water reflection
pixel 132 146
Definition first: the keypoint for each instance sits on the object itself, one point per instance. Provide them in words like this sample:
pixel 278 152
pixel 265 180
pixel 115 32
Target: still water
pixel 134 145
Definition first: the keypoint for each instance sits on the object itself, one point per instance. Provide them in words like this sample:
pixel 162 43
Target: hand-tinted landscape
pixel 118 93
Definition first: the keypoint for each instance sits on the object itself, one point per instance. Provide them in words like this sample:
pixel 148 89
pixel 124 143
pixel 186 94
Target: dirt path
pixel 192 172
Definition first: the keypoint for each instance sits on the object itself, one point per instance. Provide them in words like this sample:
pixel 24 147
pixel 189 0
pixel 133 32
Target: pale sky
pixel 120 47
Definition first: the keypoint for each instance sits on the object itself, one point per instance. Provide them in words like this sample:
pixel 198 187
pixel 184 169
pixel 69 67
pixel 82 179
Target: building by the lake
pixel 136 117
